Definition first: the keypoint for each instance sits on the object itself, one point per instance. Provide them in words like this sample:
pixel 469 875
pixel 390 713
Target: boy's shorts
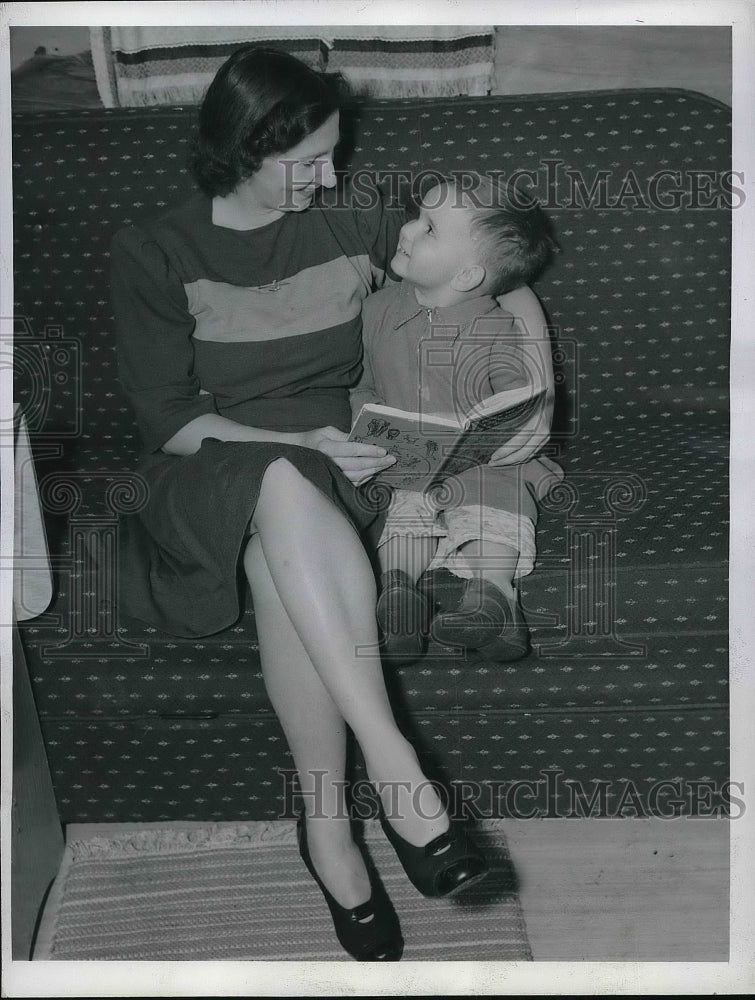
pixel 487 503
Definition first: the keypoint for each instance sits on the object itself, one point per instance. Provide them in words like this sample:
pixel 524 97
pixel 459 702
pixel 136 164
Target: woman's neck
pixel 235 212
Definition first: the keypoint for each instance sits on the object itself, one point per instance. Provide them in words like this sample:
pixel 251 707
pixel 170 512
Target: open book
pixel 431 445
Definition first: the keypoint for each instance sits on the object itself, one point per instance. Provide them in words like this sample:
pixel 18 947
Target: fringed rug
pixel 241 893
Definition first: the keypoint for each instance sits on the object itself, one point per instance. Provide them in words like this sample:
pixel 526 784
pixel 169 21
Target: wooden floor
pixel 624 889
pixel 642 890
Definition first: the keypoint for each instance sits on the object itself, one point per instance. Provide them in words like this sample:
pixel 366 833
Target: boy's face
pixel 434 248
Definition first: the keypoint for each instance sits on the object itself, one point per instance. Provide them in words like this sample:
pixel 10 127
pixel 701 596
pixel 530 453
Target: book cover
pixel 435 445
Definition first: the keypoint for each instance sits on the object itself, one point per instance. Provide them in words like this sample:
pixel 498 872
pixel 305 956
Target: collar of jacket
pixel 461 314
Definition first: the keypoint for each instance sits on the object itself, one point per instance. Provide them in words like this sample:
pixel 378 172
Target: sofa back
pixel 638 185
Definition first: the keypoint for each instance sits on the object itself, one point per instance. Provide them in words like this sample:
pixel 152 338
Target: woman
pixel 239 337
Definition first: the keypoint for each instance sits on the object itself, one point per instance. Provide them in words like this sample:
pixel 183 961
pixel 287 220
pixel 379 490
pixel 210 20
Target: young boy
pixel 439 342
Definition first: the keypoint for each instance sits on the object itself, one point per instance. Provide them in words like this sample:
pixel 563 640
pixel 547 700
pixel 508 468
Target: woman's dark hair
pixel 261 102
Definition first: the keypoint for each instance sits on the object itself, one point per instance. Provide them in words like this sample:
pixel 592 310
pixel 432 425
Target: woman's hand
pixel 358 462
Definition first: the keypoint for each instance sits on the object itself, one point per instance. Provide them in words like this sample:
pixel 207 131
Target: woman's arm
pixel 525 306
pixel 154 339
pixel 189 438
pixel 529 361
pixel 358 462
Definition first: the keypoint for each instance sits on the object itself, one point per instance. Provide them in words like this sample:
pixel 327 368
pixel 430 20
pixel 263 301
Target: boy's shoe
pixel 485 619
pixel 403 615
pixel 442 588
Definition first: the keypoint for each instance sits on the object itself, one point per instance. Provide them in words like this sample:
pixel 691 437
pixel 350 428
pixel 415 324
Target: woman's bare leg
pixel 316 735
pixel 325 583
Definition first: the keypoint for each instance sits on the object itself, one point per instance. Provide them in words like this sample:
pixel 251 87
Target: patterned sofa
pixel 625 692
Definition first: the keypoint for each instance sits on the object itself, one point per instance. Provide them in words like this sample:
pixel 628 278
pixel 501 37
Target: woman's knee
pixel 280 471
pixel 278 484
pixel 281 483
pixel 287 493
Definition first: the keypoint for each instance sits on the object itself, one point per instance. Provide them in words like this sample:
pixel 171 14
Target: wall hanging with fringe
pixel 138 66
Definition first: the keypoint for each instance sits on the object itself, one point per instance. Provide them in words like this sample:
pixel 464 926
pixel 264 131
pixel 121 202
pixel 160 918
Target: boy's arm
pixel 364 391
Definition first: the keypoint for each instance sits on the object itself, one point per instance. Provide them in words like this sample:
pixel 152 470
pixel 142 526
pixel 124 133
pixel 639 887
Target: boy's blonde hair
pixel 512 232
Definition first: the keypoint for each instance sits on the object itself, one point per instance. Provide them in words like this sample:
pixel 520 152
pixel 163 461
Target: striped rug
pixel 241 892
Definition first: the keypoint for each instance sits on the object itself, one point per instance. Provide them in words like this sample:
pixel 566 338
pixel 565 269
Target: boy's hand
pixel 358 462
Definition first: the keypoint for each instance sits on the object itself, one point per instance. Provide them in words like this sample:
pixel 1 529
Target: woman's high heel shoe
pixel 445 866
pixel 369 932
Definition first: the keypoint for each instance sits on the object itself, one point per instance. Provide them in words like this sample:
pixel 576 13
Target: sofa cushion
pixel 500 763
pixel 628 603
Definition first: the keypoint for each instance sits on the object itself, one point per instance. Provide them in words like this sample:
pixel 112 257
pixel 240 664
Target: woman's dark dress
pixel 262 327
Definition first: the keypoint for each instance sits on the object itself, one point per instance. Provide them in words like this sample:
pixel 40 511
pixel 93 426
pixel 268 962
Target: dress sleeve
pixel 521 356
pixel 153 331
pixel 379 223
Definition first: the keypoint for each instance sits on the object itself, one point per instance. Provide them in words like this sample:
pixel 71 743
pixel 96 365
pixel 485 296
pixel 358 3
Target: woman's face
pixel 286 182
